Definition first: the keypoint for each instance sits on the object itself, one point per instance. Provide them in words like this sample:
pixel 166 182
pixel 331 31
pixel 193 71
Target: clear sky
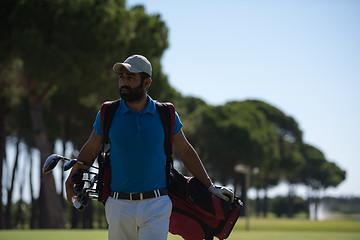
pixel 303 57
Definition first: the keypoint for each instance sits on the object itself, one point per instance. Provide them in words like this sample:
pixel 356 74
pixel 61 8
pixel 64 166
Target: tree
pixel 9 82
pixel 278 203
pixel 289 140
pixel 231 134
pixel 41 34
pixel 66 50
pixel 155 33
pixel 319 174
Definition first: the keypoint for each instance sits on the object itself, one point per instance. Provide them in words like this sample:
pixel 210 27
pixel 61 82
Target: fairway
pixel 102 235
pixel 267 229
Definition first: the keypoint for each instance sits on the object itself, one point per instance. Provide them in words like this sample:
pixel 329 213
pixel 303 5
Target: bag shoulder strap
pixel 167 116
pixel 107 112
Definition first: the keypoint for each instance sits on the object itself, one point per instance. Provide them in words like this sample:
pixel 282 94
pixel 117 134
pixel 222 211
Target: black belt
pixel 139 196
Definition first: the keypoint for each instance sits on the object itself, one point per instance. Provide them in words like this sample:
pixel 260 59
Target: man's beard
pixel 132 94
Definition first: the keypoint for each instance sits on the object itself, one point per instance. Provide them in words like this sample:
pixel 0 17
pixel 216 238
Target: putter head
pixel 69 164
pixel 51 162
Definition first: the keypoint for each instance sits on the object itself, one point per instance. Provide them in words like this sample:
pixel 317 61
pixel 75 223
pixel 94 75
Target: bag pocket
pixel 185 226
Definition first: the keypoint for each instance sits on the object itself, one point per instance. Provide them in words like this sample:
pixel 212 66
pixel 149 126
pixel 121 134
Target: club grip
pixel 75 202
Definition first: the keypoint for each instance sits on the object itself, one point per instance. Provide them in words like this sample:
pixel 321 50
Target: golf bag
pixel 196 213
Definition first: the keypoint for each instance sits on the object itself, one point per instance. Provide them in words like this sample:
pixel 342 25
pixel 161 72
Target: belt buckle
pixel 133 196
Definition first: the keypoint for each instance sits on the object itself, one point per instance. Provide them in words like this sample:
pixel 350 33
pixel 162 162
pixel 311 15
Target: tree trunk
pixel 8 220
pixel 265 203
pixel 316 206
pixel 34 206
pixel 257 203
pixel 51 211
pixel 19 217
pixel 2 154
pixel 290 209
pixel 63 175
pixel 316 210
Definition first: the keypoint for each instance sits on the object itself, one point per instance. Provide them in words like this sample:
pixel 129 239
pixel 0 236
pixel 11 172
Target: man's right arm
pixel 87 154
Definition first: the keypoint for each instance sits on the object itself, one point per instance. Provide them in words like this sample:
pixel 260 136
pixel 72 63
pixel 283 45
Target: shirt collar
pixel 150 107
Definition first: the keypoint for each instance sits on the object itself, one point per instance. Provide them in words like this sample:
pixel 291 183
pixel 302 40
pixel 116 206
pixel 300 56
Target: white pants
pixel 138 220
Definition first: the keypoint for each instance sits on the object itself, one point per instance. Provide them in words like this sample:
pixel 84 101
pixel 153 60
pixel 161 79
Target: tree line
pixel 55 71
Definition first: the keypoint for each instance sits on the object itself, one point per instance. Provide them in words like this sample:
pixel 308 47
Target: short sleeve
pixel 178 124
pixel 97 125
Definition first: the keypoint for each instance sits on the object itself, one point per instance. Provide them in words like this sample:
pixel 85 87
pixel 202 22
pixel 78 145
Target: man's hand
pixel 222 192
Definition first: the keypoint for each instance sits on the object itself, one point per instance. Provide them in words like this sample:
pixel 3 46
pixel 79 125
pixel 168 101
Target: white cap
pixel 135 64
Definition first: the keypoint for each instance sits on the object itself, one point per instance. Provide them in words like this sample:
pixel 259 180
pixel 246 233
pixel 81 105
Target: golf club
pixel 53 160
pixel 84 187
pixel 72 162
pixel 79 187
pixel 80 184
pixel 93 181
pixel 77 177
pixel 82 199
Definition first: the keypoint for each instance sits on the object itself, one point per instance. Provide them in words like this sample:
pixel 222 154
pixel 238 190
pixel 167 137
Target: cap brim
pixel 118 66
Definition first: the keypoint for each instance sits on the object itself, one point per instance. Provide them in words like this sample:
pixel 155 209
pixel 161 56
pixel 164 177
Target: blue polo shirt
pixel 137 153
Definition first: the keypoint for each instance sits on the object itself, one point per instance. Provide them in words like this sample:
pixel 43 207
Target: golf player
pixel 138 206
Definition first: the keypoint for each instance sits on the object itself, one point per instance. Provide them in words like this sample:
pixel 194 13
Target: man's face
pixel 131 87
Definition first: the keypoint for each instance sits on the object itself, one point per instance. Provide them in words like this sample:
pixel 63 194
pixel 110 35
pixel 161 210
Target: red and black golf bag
pixel 196 213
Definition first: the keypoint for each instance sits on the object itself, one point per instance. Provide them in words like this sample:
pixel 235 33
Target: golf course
pixel 267 229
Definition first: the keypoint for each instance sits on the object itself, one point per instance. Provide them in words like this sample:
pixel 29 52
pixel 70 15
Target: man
pixel 137 159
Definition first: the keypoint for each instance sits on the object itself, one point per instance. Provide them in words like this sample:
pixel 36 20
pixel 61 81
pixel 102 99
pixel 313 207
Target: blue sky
pixel 303 57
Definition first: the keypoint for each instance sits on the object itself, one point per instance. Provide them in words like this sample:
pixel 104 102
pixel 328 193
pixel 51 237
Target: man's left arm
pixel 192 162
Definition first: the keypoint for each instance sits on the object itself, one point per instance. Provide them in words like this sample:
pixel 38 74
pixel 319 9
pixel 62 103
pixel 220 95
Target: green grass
pixel 267 229
pixel 53 234
pixel 285 235
pixel 299 225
